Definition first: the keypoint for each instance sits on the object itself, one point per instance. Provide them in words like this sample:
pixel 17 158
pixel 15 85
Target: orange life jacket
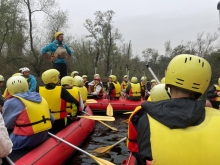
pixel 132 132
pixel 135 90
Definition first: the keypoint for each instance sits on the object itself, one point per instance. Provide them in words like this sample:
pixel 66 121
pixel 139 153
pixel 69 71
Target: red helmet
pixel 97 78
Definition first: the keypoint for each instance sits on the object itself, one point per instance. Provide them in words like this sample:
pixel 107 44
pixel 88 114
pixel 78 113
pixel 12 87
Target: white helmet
pixel 25 69
pixel 17 84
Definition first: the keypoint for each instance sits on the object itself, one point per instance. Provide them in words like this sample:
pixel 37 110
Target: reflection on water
pixel 101 137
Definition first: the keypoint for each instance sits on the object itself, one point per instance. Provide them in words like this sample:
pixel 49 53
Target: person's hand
pixel 218 93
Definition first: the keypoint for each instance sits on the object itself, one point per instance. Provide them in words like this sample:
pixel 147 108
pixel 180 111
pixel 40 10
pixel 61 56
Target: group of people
pixel 176 127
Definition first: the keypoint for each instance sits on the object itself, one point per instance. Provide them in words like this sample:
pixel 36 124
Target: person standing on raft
pixel 179 130
pixel 60 52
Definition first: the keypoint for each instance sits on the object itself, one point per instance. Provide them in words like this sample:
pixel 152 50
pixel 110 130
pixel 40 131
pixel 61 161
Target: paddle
pixel 10 162
pixel 109 110
pixel 91 101
pixel 98 160
pixel 104 118
pixel 155 77
pixel 112 128
pixel 103 150
pixel 125 121
pixel 128 112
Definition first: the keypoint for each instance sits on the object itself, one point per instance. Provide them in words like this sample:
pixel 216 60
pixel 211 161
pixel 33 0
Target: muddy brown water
pixel 101 137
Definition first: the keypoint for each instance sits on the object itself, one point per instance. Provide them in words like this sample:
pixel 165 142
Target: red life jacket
pixel 132 132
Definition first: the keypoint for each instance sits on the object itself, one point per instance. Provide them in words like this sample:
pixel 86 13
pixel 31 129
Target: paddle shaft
pixel 119 141
pixel 152 73
pixel 9 161
pixel 71 145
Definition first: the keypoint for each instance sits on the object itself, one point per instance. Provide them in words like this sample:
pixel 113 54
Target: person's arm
pixel 11 109
pixel 5 142
pixel 65 95
pixel 144 146
pixel 45 50
pixel 33 84
pixel 211 92
pixel 97 91
pixel 128 89
pixel 68 50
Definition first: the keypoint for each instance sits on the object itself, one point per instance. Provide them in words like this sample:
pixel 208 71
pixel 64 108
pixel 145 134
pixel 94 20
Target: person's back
pixel 183 122
pixel 114 88
pixel 27 114
pixel 134 90
pixel 56 96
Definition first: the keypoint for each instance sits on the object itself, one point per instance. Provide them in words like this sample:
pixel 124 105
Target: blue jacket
pixel 32 83
pixel 11 109
pixel 53 47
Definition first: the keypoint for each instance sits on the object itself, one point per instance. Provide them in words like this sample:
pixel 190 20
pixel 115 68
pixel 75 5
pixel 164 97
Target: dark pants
pixel 215 104
pixel 61 67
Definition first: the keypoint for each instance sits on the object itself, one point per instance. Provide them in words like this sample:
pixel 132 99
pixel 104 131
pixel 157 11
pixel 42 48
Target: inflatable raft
pixel 130 160
pixel 120 105
pixel 53 151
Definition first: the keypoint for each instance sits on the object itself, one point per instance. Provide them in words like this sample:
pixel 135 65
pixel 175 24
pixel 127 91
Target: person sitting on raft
pixel 92 83
pixel 174 130
pixel 97 90
pixel 78 83
pixel 74 73
pixel 114 91
pixel 27 114
pixel 124 85
pixel 56 96
pixel 85 81
pixel 134 90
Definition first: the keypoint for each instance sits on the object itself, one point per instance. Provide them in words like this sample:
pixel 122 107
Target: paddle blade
pixel 128 112
pixel 103 150
pixel 103 118
pixel 101 161
pixel 109 110
pixel 91 101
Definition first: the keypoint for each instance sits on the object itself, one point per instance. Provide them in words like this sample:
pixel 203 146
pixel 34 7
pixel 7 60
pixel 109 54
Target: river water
pixel 101 137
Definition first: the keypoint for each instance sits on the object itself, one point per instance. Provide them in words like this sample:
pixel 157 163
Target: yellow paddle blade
pixel 128 112
pixel 104 118
pixel 102 150
pixel 101 161
pixel 109 110
pixel 112 128
pixel 125 121
pixel 91 101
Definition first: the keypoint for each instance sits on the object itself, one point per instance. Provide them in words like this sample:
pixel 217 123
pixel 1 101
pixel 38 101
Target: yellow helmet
pixel 2 78
pixel 57 34
pixel 96 75
pixel 17 84
pixel 20 70
pixel 162 81
pixel 143 78
pixel 153 80
pixel 51 76
pixel 134 80
pixel 84 76
pixel 113 77
pixel 17 74
pixel 78 81
pixel 67 80
pixel 73 73
pixel 189 72
pixel 219 81
pixel 125 76
pixel 158 93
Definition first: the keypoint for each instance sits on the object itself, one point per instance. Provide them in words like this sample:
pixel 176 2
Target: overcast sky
pixel 148 23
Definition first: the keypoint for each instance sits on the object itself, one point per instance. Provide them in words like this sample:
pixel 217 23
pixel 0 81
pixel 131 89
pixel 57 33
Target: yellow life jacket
pixel 57 106
pixel 132 132
pixel 84 93
pixel 124 85
pixel 117 91
pixel 217 89
pixel 135 90
pixel 33 119
pixel 149 99
pixel 142 86
pixel 70 108
pixel 195 145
